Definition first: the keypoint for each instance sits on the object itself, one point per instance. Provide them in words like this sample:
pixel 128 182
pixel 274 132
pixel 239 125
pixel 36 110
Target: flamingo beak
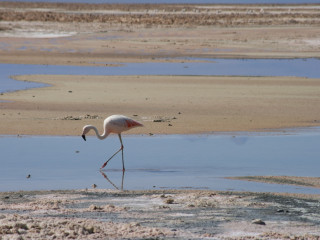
pixel 84 137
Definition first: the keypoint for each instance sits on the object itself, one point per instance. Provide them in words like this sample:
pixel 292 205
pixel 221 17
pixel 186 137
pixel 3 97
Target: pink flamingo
pixel 113 124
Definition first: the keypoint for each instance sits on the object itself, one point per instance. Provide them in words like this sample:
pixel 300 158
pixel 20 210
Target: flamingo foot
pixel 105 164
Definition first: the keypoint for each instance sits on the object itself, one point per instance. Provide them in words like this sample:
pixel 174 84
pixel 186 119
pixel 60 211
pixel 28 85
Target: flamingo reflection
pixel 115 186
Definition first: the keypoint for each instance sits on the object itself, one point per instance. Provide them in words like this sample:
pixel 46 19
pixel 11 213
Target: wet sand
pixel 108 35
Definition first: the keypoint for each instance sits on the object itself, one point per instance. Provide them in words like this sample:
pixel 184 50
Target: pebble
pixel 282 211
pixel 169 201
pixel 258 221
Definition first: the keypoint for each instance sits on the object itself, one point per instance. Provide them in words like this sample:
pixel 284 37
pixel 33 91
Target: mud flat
pixel 181 214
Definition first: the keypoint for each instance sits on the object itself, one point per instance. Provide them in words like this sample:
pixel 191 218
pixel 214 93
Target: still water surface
pixel 215 67
pixel 159 162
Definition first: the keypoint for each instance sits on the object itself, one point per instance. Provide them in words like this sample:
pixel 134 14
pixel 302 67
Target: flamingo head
pixel 85 130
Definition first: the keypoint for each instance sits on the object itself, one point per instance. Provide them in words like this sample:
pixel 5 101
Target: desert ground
pixel 115 34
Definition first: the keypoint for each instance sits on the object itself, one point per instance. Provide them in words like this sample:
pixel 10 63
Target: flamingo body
pixel 113 124
pixel 118 124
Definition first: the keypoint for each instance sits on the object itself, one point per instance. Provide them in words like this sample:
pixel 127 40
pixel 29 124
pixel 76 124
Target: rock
pixel 158 120
pixel 93 207
pixel 282 211
pixel 169 201
pixel 258 221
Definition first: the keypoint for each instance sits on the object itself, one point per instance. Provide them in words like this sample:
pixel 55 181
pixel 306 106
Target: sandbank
pixel 164 104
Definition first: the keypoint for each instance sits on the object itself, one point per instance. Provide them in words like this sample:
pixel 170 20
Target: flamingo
pixel 113 124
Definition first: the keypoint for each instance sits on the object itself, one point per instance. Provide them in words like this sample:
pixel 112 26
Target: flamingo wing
pixel 119 123
pixel 132 123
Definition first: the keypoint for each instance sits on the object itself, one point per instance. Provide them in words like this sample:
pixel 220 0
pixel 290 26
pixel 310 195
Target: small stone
pixel 282 211
pixel 169 201
pixel 94 207
pixel 258 221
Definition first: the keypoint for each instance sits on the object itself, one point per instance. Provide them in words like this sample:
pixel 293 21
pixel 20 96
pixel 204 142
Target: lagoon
pixel 160 162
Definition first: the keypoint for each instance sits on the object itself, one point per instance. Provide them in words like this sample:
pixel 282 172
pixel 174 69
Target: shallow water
pixel 159 162
pixel 215 67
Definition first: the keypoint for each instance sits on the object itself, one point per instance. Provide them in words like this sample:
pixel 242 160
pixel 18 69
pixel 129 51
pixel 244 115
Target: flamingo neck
pixel 102 136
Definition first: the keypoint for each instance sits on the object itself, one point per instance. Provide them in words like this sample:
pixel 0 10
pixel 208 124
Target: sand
pixel 164 104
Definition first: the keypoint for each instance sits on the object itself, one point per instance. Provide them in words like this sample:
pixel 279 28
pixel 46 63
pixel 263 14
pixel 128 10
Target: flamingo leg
pixel 123 169
pixel 121 149
pixel 105 164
